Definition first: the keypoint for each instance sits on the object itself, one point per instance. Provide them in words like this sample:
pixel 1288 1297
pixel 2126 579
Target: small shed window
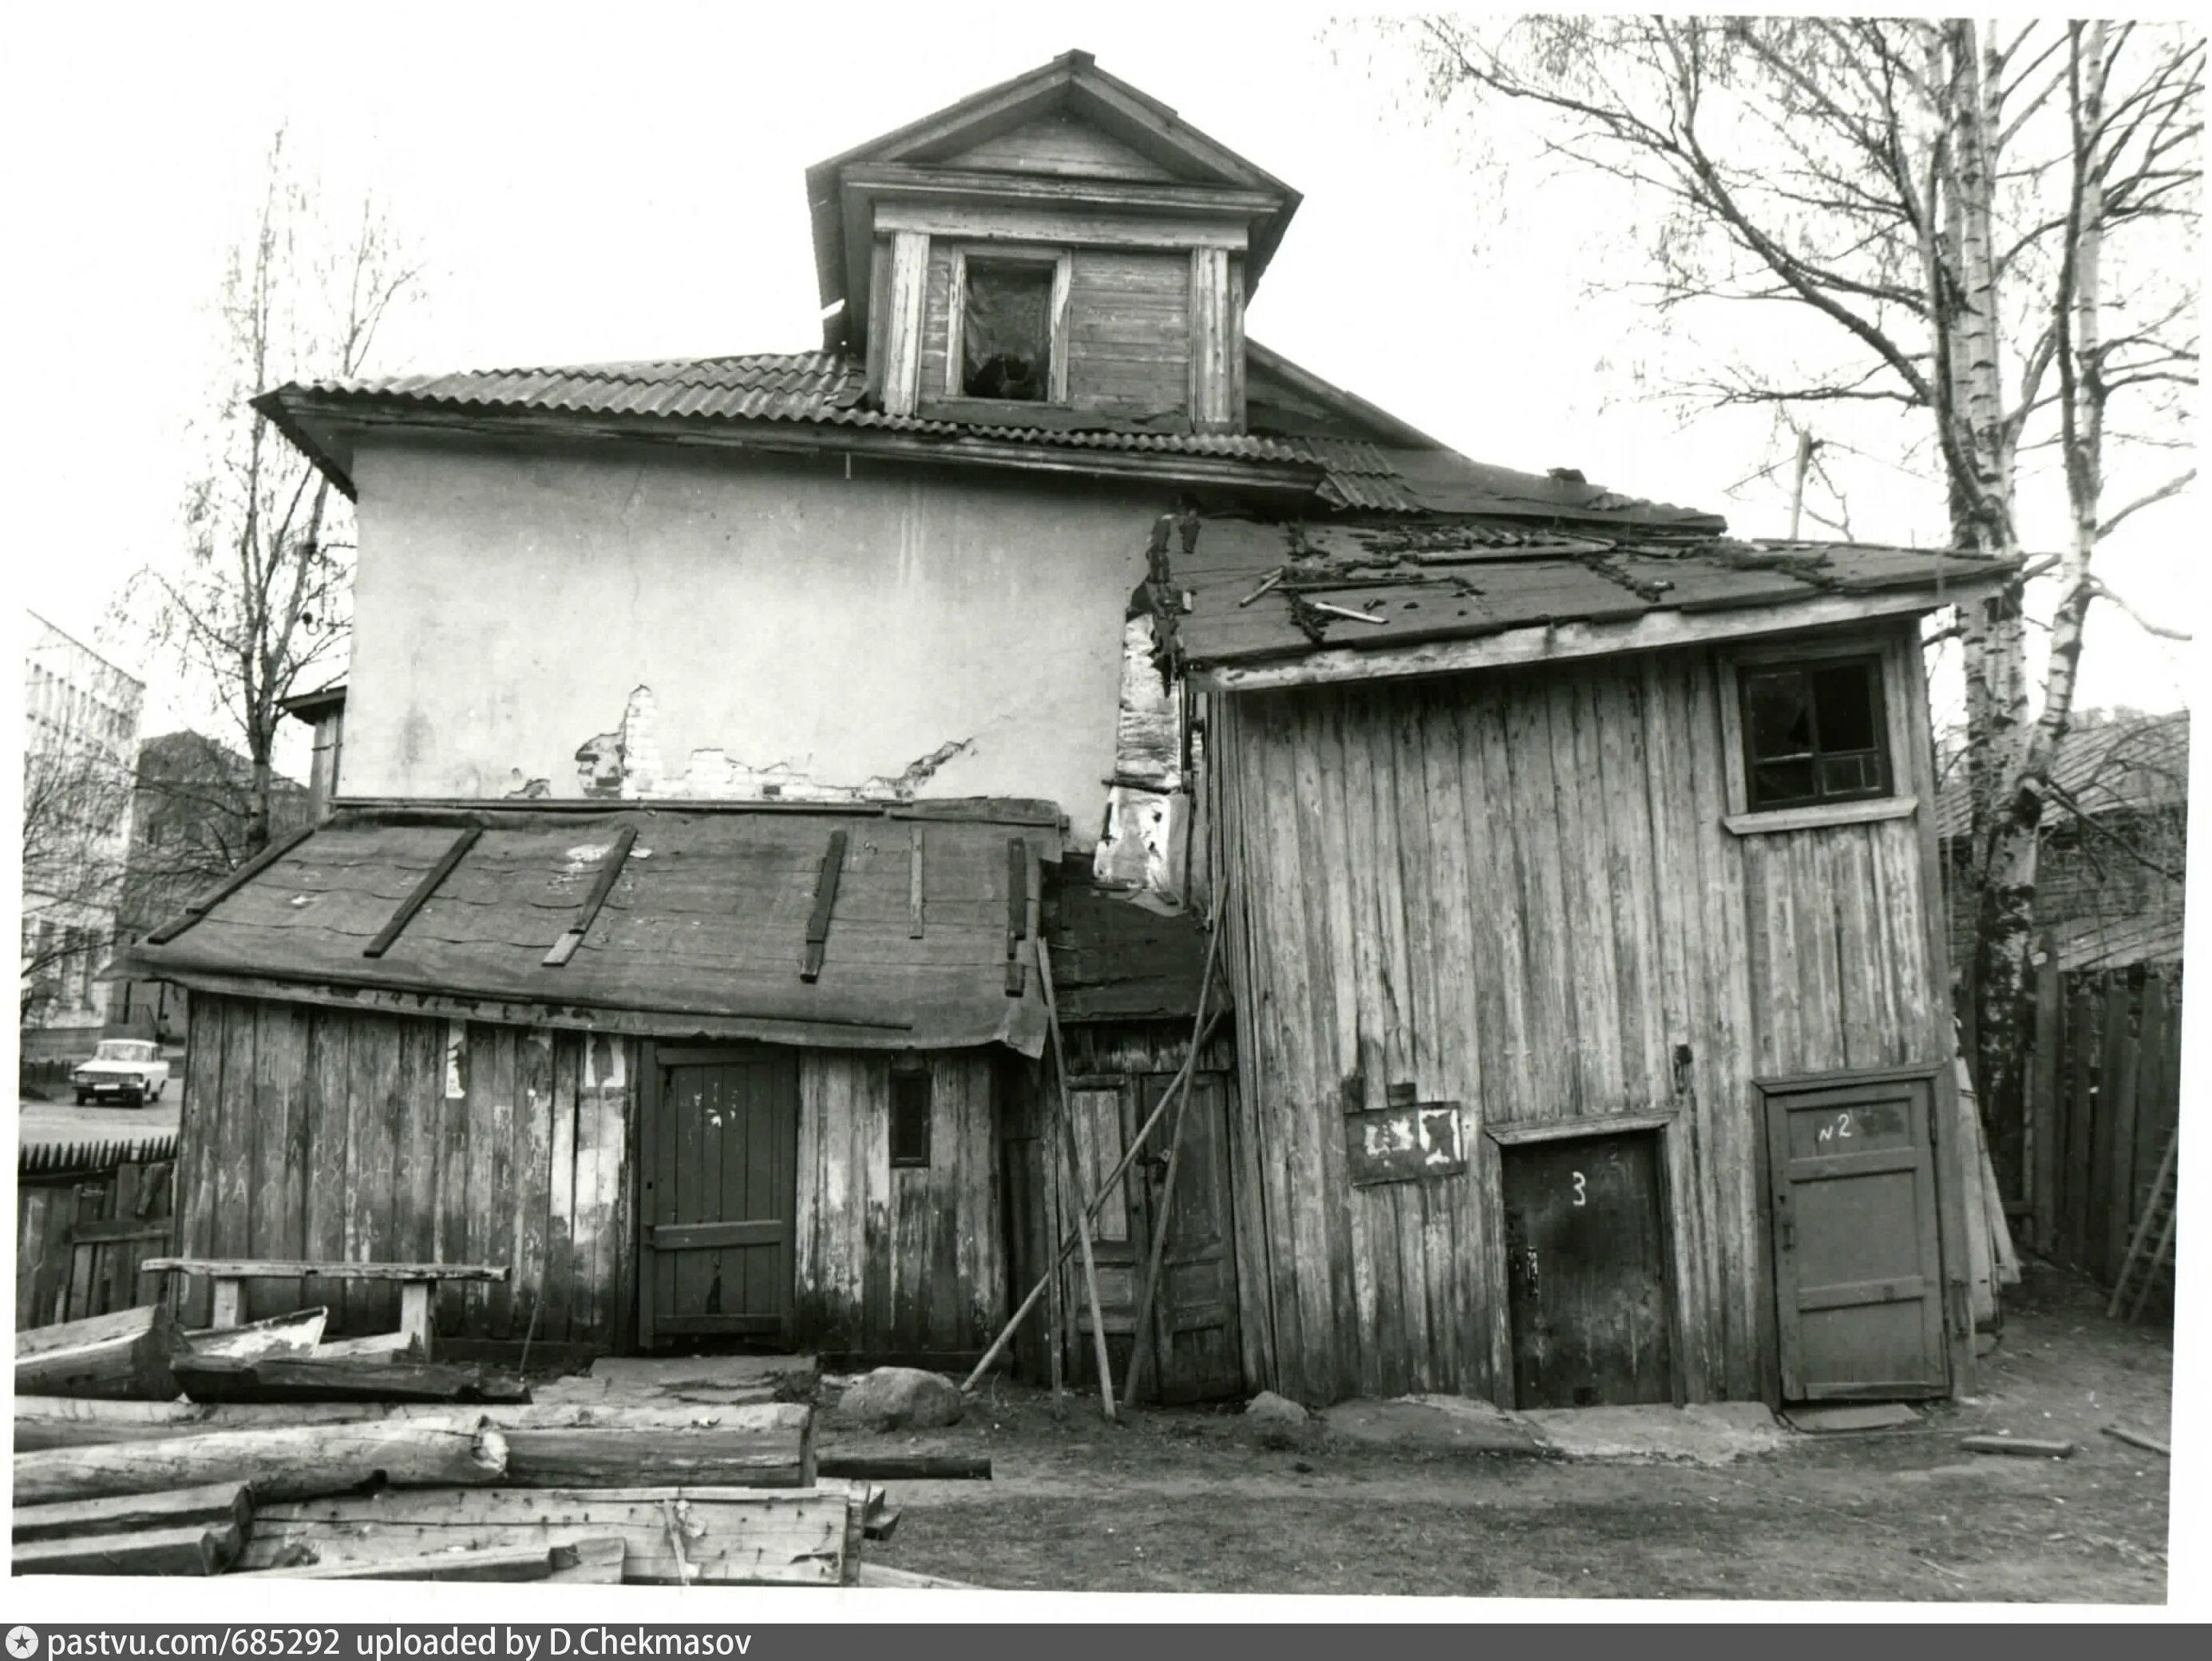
pixel 909 1115
pixel 1007 330
pixel 1814 731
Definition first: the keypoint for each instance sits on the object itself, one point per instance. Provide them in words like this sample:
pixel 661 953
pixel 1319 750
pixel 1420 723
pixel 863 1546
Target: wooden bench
pixel 416 1283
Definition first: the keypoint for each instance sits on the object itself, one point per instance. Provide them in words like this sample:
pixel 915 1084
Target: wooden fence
pixel 2104 1093
pixel 87 1214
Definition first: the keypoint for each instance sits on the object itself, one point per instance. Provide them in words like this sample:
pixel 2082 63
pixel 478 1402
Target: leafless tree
pixel 75 797
pixel 262 601
pixel 1995 223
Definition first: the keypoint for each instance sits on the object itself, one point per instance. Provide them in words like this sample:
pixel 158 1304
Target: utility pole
pixel 1797 490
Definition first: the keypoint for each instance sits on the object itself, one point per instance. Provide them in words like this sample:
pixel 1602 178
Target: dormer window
pixel 1008 318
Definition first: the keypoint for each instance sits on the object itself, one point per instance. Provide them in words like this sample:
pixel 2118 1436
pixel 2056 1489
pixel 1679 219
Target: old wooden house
pixel 732 743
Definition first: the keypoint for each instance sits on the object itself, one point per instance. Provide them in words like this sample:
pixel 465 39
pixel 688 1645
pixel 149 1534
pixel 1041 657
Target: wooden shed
pixel 1585 924
pixel 735 1075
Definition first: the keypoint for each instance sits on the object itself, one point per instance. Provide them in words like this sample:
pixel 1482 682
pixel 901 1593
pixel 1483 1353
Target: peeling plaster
pixel 625 765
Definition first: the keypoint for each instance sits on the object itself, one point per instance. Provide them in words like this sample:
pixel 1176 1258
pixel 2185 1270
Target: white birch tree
pixel 1992 225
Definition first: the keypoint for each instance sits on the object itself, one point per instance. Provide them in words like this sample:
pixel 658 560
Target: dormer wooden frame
pixel 1060 261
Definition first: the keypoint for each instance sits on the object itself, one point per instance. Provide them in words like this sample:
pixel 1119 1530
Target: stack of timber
pixel 356 1490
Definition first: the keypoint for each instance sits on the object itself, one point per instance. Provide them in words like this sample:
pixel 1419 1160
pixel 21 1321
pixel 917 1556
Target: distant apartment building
pixel 81 716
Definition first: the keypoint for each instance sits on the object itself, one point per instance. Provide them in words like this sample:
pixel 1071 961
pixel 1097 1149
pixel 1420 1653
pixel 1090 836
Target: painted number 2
pixel 1580 1197
pixel 1842 1128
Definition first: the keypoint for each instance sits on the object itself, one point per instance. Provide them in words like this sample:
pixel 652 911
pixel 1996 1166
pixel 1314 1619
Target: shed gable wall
pixel 1514 892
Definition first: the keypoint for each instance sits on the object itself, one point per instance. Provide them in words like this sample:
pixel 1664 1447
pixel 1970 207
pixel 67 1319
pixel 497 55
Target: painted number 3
pixel 1580 1197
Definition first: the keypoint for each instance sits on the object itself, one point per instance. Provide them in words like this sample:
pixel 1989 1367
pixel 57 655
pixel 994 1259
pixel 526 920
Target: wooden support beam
pixel 293 1269
pixel 423 890
pixel 211 1505
pixel 1066 1136
pixel 573 935
pixel 1018 911
pixel 311 1378
pixel 906 1467
pixel 825 903
pixel 199 1550
pixel 229 885
pixel 913 883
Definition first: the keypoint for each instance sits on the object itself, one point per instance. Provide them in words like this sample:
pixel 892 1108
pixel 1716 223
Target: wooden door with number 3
pixel 1586 1271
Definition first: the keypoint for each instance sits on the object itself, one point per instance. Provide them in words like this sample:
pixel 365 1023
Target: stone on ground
pixel 900 1398
pixel 1429 1424
pixel 1705 1433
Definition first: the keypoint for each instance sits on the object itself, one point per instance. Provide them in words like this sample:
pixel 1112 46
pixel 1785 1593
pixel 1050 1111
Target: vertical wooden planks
pixel 2043 1090
pixel 1304 1321
pixel 450 1232
pixel 200 1130
pixel 2106 1183
pixel 231 1235
pixel 1539 839
pixel 533 1179
pixel 372 1079
pixel 281 1149
pixel 1243 866
pixel 561 1189
pixel 2082 1056
pixel 902 321
pixel 330 1039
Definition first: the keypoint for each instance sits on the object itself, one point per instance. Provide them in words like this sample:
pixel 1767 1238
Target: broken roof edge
pixel 1029 813
pixel 1455 651
pixel 1023 1031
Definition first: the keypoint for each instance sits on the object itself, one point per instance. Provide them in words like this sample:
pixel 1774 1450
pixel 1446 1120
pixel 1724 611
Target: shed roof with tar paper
pixel 1264 593
pixel 704 930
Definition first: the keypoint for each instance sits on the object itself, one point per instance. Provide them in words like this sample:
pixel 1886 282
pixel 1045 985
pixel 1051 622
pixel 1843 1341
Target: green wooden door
pixel 718 1190
pixel 1858 1276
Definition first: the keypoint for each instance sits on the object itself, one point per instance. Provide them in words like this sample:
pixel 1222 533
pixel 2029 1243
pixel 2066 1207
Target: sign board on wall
pixel 1401 1144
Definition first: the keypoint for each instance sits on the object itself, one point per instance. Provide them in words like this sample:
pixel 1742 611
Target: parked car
pixel 128 1069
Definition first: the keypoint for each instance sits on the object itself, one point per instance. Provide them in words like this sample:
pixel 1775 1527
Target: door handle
pixel 1788 1235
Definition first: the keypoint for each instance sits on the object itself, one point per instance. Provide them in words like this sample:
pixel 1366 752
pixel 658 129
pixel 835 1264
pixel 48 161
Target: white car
pixel 124 1068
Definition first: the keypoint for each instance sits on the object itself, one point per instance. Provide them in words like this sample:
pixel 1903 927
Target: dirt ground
pixel 1187 1500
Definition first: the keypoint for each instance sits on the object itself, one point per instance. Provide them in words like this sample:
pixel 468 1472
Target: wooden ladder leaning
pixel 2158 1213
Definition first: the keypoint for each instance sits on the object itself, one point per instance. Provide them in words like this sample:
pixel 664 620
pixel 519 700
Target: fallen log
pixel 2019 1447
pixel 211 1505
pixel 203 1550
pixel 294 1463
pixel 296 1334
pixel 592 1457
pixel 310 1379
pixel 671 1535
pixel 124 1355
pixel 2137 1438
pixel 596 1562
pixel 906 1467
pixel 59 1422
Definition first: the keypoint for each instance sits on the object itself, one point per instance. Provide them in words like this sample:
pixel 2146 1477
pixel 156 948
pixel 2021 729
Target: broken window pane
pixel 1007 331
pixel 1813 732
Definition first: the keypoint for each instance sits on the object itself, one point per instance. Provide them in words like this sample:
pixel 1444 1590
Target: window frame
pixel 1887 650
pixel 912 1073
pixel 1060 261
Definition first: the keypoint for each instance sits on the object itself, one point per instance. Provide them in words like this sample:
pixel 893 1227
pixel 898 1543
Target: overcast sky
pixel 611 182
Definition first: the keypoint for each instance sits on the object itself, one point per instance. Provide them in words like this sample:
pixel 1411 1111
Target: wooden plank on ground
pixel 126 1354
pixel 210 1504
pixel 297 1461
pixel 55 1421
pixel 596 1562
pixel 188 1551
pixel 297 1333
pixel 310 1379
pixel 669 1535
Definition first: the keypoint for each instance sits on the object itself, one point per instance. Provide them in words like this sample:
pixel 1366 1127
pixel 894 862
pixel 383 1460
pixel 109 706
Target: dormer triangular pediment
pixel 1061 145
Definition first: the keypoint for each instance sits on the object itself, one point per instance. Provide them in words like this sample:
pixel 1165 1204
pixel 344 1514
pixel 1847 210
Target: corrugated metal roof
pixel 827 389
pixel 703 930
pixel 1471 576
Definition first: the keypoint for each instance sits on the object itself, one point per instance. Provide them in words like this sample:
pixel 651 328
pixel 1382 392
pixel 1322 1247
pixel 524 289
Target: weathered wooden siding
pixel 1129 332
pixel 312 1132
pixel 904 1259
pixel 1514 891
